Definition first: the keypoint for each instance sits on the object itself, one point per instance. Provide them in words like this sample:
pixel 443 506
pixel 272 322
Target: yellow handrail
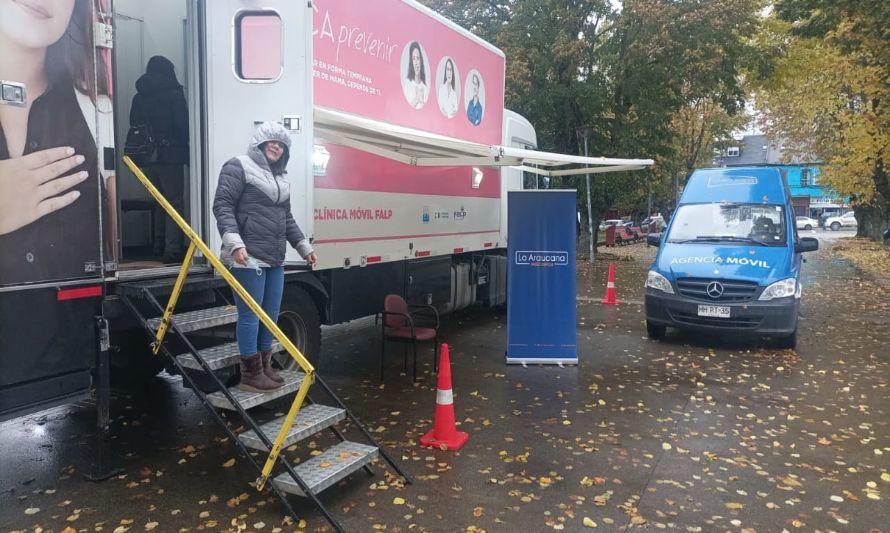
pixel 293 351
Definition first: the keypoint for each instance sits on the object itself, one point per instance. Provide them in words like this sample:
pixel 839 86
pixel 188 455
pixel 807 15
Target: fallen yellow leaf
pixel 398 501
pixel 588 522
pixel 735 505
pixel 885 477
pixel 229 464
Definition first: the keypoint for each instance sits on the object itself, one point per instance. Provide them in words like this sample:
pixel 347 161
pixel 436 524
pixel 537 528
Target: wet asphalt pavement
pixel 692 433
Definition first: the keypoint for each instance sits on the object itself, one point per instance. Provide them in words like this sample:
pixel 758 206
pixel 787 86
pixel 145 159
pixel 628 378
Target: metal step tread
pixel 198 279
pixel 292 382
pixel 218 357
pixel 201 318
pixel 325 470
pixel 310 420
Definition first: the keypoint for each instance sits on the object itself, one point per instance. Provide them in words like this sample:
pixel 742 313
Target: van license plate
pixel 717 311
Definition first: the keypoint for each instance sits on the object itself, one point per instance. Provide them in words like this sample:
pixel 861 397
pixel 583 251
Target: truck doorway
pixel 152 86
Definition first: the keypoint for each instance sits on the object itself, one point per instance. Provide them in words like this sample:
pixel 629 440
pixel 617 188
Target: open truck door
pixel 257 67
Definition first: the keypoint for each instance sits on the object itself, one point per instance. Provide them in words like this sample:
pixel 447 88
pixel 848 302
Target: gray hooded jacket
pixel 252 203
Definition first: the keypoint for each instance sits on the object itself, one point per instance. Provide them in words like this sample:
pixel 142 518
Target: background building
pixel 808 195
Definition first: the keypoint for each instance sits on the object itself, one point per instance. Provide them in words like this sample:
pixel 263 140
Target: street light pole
pixel 589 209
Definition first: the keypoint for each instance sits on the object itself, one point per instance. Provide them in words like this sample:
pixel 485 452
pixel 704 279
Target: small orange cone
pixel 610 298
pixel 444 434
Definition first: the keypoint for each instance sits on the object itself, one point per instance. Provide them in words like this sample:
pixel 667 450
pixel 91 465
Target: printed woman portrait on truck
pixel 447 91
pixel 414 83
pixel 49 159
pixel 474 104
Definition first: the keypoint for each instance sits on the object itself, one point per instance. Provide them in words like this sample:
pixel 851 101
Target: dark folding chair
pixel 400 324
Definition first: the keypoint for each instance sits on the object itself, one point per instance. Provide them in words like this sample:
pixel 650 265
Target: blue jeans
pixel 266 288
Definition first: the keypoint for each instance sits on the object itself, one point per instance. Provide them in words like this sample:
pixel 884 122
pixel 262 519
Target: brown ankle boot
pixel 253 379
pixel 267 367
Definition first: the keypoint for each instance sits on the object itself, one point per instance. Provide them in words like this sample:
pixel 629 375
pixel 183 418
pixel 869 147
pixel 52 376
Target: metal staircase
pixel 199 368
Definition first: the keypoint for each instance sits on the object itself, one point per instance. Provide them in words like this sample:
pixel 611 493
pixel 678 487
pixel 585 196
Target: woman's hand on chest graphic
pixel 37 184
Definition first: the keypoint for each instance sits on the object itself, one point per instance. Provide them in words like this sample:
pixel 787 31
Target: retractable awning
pixel 423 149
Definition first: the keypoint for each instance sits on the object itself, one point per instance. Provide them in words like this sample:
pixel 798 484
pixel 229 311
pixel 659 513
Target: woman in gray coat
pixel 253 214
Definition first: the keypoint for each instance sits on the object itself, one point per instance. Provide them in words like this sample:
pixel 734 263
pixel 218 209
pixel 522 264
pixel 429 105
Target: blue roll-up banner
pixel 541 286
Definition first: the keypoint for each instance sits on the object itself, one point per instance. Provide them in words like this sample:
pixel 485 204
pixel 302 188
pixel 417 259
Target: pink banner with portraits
pixel 394 61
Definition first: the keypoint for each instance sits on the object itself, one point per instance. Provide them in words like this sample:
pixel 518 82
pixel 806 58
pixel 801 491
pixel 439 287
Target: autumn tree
pixel 616 79
pixel 828 95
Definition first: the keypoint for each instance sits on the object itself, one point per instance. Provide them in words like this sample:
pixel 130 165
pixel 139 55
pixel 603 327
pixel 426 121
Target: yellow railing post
pixel 174 297
pixel 295 354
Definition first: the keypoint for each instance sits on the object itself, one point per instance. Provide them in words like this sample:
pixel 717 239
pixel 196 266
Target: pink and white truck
pixel 402 155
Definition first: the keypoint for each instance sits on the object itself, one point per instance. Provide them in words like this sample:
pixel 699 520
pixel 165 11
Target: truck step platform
pixel 200 319
pixel 325 470
pixel 311 419
pixel 218 357
pixel 292 382
pixel 163 286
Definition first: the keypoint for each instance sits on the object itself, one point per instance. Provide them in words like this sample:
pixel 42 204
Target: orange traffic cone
pixel 444 434
pixel 610 298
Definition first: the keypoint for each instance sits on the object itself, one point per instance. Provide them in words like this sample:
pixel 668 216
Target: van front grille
pixel 733 290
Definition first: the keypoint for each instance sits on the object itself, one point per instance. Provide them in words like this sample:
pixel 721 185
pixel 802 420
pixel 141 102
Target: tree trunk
pixel 872 220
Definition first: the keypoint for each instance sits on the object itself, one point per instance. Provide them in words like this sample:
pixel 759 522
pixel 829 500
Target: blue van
pixel 729 260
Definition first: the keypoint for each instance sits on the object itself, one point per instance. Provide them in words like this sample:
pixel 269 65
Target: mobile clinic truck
pixel 402 155
pixel 730 258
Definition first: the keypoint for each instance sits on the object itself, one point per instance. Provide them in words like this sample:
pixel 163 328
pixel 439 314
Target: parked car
pixel 826 215
pixel 847 220
pixel 611 222
pixel 659 222
pixel 806 223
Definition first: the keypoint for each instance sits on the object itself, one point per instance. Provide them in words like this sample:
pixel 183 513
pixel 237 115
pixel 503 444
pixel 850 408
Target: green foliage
pixel 656 78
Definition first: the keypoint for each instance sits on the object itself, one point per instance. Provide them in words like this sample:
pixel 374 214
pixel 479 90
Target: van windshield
pixel 758 224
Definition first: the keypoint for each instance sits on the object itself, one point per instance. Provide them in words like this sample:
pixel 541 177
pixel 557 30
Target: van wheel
pixel 788 342
pixel 655 331
pixel 301 324
pixel 835 226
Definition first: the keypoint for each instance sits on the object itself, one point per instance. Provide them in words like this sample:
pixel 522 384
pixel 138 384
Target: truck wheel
pixel 835 226
pixel 300 322
pixel 655 331
pixel 132 360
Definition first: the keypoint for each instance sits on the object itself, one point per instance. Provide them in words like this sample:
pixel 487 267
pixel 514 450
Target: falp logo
pixel 542 258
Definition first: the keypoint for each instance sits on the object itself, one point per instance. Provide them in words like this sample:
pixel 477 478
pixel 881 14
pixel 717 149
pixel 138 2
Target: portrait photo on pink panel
pixel 474 97
pixel 448 87
pixel 415 74
pixel 53 178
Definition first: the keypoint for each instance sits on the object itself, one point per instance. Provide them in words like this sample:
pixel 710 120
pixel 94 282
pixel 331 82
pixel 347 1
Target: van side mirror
pixel 654 239
pixel 807 244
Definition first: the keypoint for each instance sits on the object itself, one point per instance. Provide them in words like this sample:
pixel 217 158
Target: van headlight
pixel 781 289
pixel 658 282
